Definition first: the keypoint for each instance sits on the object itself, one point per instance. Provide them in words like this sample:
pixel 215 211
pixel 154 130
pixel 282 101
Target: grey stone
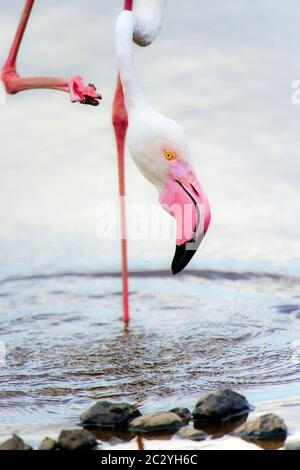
pixel 183 413
pixel 108 414
pixel 76 439
pixel 156 422
pixel 293 442
pixel 268 426
pixel 15 443
pixel 48 444
pixel 192 434
pixel 220 406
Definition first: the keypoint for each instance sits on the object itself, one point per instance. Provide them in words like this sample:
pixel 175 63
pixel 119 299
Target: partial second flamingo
pixel 75 86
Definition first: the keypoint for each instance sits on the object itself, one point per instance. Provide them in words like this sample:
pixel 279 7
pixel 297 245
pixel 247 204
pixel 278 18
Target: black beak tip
pixel 174 271
pixel 184 253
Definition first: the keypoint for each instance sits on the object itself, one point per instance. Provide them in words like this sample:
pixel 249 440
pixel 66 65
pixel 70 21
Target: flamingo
pixel 75 86
pixel 158 145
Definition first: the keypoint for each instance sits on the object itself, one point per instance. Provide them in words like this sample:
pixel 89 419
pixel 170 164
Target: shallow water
pixel 199 332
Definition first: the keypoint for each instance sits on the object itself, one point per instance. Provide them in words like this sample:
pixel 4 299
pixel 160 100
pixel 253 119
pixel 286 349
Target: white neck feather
pixel 124 34
pixel 142 26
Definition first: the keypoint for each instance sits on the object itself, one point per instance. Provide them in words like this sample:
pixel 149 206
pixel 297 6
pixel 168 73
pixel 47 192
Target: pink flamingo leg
pixel 79 92
pixel 120 123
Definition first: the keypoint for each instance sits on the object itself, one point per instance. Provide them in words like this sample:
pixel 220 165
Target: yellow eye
pixel 169 155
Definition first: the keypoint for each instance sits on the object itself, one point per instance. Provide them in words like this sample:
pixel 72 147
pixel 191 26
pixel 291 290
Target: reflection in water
pixel 66 346
pixel 216 431
pixel 220 430
pixel 113 437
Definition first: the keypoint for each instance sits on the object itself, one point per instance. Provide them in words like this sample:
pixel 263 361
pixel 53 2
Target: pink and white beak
pixel 184 199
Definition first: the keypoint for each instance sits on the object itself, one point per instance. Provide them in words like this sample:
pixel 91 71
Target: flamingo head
pixel 159 148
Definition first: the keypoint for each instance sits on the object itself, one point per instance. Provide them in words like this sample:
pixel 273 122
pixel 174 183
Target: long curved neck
pixel 124 42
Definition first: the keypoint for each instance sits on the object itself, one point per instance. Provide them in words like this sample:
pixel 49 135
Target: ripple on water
pixel 66 345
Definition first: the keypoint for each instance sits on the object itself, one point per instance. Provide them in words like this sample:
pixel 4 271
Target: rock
pixel 220 406
pixel 268 426
pixel 183 413
pixel 48 444
pixel 75 439
pixel 15 443
pixel 191 434
pixel 293 443
pixel 156 422
pixel 108 414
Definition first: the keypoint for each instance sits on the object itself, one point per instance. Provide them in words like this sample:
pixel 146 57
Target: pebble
pixel 15 443
pixel 48 444
pixel 268 426
pixel 108 414
pixel 156 422
pixel 75 439
pixel 191 434
pixel 220 406
pixel 183 413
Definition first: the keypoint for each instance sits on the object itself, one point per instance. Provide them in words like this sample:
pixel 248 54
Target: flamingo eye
pixel 169 155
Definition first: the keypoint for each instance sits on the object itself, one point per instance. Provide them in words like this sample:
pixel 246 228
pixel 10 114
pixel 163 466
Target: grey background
pixel 223 70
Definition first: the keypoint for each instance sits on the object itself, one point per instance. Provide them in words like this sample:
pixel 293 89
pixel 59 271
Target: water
pixel 224 73
pixel 66 346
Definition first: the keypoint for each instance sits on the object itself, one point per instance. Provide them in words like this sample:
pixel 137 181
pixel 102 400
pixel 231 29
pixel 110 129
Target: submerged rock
pixel 220 406
pixel 156 422
pixel 75 439
pixel 191 434
pixel 48 444
pixel 183 413
pixel 108 414
pixel 268 426
pixel 15 443
pixel 293 443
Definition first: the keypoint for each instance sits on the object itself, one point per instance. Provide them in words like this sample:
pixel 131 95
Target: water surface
pixel 200 332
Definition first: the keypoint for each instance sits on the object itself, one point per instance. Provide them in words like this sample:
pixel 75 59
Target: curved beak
pixel 184 199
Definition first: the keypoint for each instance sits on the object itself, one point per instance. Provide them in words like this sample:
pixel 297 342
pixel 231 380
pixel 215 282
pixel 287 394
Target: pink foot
pixel 81 93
